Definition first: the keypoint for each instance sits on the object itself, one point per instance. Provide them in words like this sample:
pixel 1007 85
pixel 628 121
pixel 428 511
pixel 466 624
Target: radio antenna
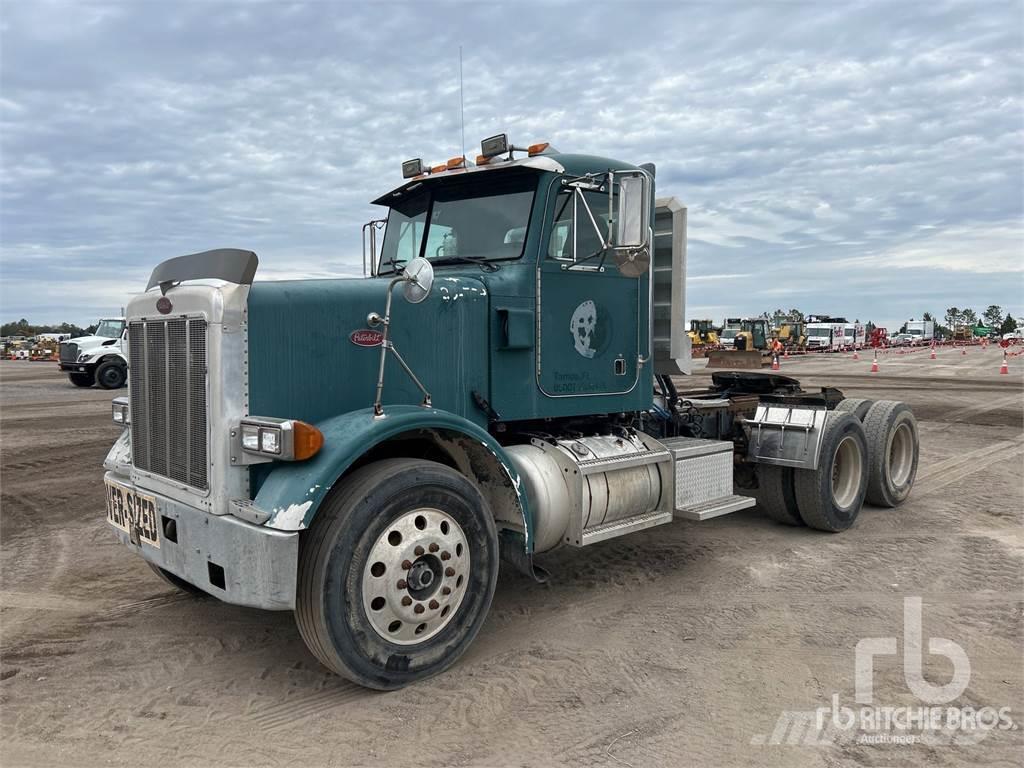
pixel 462 109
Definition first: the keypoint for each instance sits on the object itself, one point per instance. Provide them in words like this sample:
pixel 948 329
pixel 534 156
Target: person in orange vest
pixel 776 346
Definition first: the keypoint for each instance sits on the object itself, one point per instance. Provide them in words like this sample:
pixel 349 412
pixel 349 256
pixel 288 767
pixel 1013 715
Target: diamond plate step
pixel 620 527
pixel 716 507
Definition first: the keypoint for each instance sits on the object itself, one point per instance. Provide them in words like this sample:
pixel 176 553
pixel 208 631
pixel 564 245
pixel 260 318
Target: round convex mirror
pixel 419 277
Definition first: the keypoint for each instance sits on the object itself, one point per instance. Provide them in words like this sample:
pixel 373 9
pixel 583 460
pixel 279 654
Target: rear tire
pixel 112 375
pixel 371 580
pixel 775 494
pixel 858 406
pixel 830 497
pixel 81 379
pixel 893 450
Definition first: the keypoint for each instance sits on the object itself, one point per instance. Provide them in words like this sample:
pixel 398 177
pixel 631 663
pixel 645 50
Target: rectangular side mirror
pixel 634 214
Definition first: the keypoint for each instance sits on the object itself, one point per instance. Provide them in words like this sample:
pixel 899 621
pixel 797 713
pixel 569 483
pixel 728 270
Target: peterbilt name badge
pixel 163 305
pixel 366 337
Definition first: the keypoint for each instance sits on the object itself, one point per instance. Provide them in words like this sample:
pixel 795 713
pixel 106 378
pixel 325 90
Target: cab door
pixel 588 313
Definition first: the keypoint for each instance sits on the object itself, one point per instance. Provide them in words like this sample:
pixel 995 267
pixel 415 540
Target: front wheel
pixel 396 573
pixel 112 375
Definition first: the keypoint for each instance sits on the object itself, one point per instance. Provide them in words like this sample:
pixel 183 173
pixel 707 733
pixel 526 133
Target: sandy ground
pixel 682 645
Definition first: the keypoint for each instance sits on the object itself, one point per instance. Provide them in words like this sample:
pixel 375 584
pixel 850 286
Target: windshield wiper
pixel 485 264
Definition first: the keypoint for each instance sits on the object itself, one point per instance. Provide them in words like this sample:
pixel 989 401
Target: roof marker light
pixel 536 149
pixel 457 162
pixel 439 168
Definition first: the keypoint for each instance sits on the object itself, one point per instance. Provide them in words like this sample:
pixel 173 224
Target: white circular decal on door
pixel 582 326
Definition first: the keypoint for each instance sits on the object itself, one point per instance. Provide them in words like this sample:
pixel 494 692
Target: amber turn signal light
pixel 307 440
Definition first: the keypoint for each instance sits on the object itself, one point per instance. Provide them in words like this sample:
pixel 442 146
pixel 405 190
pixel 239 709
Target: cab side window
pixel 568 225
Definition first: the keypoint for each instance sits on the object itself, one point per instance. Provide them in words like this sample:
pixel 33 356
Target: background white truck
pixel 825 336
pixel 923 331
pixel 97 359
pixel 854 336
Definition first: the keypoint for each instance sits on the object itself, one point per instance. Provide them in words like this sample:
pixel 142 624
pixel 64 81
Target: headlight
pixel 270 440
pixel 120 411
pixel 250 437
pixel 83 357
pixel 285 439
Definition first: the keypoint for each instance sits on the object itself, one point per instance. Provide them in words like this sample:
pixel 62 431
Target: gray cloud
pixel 861 159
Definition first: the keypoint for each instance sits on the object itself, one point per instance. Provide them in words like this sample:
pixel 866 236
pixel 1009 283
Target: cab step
pixel 716 507
pixel 624 526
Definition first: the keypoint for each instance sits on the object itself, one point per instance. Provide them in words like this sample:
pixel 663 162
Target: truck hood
pixel 85 342
pixel 312 354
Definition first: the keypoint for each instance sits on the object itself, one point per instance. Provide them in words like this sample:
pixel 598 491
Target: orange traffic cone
pixel 933 353
pixel 963 350
pixel 874 364
pixel 775 363
pixel 855 355
pixel 1004 368
pixel 785 352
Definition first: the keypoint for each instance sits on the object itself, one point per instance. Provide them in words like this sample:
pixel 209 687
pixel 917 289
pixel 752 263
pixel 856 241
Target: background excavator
pixel 745 344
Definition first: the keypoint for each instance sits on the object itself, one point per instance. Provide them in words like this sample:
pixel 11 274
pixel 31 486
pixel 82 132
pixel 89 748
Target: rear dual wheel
pixel 396 573
pixel 830 497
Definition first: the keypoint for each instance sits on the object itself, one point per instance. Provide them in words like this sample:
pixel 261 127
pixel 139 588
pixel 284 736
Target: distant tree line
pixel 24 328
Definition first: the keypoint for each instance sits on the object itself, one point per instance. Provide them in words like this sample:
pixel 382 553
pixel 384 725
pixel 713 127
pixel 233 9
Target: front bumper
pixel 78 367
pixel 257 566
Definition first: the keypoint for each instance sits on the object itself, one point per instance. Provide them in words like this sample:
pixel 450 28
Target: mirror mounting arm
pixel 416 275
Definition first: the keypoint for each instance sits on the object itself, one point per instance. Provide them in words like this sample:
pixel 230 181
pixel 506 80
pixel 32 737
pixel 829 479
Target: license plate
pixel 132 512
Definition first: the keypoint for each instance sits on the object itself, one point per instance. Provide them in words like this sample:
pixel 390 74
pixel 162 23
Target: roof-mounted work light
pixel 412 168
pixel 495 145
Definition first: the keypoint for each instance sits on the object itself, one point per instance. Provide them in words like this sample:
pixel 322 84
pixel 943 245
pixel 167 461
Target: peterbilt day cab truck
pixel 98 358
pixel 499 385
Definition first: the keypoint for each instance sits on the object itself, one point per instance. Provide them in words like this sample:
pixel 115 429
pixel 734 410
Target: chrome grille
pixel 68 352
pixel 167 359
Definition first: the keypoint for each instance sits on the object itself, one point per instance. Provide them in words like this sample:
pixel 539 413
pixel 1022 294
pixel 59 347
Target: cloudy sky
pixel 862 159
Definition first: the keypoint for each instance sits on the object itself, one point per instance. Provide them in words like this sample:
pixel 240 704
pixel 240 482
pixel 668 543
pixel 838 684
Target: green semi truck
pixel 502 382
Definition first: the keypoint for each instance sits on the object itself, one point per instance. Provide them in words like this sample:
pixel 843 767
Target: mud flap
pixel 513 551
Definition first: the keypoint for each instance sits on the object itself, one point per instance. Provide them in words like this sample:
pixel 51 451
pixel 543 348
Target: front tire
pixel 112 375
pixel 397 573
pixel 81 379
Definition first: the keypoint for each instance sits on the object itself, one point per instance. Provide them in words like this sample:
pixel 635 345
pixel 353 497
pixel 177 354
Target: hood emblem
pixel 366 337
pixel 163 305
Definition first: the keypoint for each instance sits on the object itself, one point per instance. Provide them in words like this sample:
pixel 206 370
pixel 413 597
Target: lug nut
pixel 406 565
pixel 449 571
pixel 418 551
pixel 446 555
pixel 433 605
pixel 402 584
pixel 434 547
pixel 406 600
pixel 446 590
pixel 419 608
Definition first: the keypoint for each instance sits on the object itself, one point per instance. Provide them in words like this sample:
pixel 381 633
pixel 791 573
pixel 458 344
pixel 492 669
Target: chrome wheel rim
pixel 846 472
pixel 416 576
pixel 901 455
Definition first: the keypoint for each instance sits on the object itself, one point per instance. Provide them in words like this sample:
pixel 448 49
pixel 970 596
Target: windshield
pixel 470 219
pixel 914 332
pixel 729 333
pixel 110 328
pixel 819 331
